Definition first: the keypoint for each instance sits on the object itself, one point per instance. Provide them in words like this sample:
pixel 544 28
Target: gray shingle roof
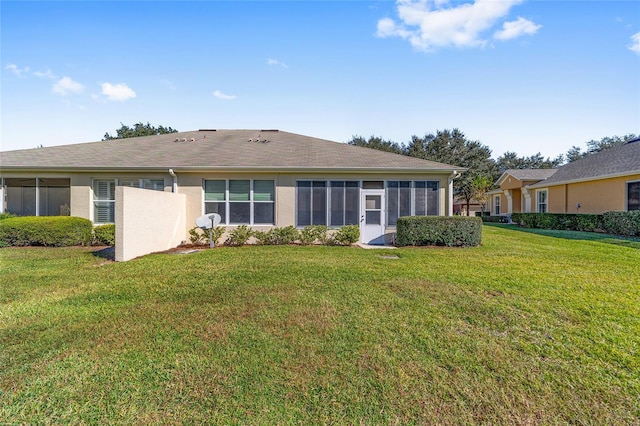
pixel 530 174
pixel 616 161
pixel 214 150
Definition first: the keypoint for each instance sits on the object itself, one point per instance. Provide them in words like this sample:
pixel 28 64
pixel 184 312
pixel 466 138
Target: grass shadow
pixel 619 240
pixel 107 253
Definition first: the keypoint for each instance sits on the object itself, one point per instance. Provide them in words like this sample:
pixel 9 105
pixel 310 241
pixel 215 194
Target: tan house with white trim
pixel 261 178
pixel 512 194
pixel 606 181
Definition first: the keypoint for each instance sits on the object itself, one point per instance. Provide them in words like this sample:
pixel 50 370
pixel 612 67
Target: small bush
pixel 277 236
pixel 104 235
pixel 200 236
pixel 458 231
pixel 347 235
pixel 494 219
pixel 239 236
pixel 314 233
pixel 4 216
pixel 622 223
pixel 54 231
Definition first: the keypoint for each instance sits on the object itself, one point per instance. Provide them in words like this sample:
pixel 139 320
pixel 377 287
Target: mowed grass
pixel 526 329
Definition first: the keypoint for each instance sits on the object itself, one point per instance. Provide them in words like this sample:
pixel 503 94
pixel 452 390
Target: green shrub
pixel 200 236
pixel 277 236
pixel 347 235
pixel 622 223
pixel 239 236
pixel 312 233
pixel 104 235
pixel 6 216
pixel 458 231
pixel 559 221
pixel 494 219
pixel 55 231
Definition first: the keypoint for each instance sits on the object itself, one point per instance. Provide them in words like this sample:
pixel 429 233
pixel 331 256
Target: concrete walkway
pixel 371 246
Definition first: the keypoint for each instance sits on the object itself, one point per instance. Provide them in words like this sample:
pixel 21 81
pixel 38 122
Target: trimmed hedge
pixel 622 223
pixel 559 221
pixel 104 235
pixel 450 231
pixel 494 219
pixel 54 231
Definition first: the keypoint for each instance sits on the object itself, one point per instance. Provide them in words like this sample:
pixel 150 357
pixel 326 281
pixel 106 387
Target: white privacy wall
pixel 148 221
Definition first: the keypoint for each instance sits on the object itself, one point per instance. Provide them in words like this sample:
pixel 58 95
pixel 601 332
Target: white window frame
pixel 496 205
pixel 539 192
pixel 252 202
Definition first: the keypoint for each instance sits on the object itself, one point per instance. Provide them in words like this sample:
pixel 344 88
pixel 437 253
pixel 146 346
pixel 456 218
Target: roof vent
pixel 269 130
pixel 177 140
pixel 250 140
pixel 207 130
pixel 184 139
pixel 193 139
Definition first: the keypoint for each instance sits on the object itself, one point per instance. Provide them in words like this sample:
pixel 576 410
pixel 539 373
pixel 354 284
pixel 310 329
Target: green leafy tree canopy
pixel 138 129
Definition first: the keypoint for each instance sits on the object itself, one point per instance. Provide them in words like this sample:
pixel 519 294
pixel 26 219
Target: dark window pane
pixel 405 200
pixel 263 213
pixel 319 206
pixel 337 184
pixel 239 213
pixel 373 184
pixel 373 217
pixel 420 184
pixel 392 206
pixel 337 205
pixel 351 205
pixel 405 184
pixel 421 201
pixel 352 184
pixel 213 207
pixel 304 204
pixel 433 206
pixel 633 196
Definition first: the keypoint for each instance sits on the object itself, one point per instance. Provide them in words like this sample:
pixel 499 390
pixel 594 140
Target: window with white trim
pixel 541 197
pixel 496 205
pixel 633 195
pixel 241 202
pixel 104 195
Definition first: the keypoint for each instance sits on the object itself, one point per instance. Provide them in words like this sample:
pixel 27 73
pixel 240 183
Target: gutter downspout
pixel 454 175
pixel 175 180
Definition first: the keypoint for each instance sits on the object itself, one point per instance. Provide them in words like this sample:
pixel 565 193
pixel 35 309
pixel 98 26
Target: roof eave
pixel 545 183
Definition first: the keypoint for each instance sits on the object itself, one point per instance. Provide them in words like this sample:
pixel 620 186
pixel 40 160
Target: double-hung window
pixel 542 196
pixel 241 202
pixel 633 195
pixel 496 205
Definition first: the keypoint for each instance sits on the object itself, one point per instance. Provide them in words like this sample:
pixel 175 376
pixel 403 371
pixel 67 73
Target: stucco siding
pixel 594 197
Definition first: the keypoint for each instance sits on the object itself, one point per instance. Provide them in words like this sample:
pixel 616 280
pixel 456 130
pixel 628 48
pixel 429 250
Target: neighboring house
pixel 475 208
pixel 512 194
pixel 606 181
pixel 261 178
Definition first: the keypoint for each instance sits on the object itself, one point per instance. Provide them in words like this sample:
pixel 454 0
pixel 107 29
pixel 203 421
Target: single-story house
pixel 512 194
pixel 261 178
pixel 606 181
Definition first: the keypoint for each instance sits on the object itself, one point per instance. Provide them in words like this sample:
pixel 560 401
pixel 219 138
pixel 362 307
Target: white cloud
pixel 275 62
pixel 66 86
pixel 635 43
pixel 117 92
pixel 218 94
pixel 430 24
pixel 17 71
pixel 516 28
pixel 45 74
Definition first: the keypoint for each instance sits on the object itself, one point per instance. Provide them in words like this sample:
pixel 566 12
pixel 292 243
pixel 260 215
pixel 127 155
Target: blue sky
pixel 523 76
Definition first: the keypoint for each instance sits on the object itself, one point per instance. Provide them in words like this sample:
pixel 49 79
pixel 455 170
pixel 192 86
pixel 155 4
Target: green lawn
pixel 526 329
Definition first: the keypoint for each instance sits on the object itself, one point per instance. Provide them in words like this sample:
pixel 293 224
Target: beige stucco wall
pixel 148 221
pixel 191 184
pixel 595 197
